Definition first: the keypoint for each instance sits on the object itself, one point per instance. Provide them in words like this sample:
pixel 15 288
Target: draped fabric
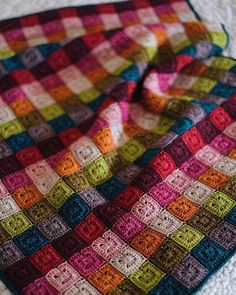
pixel 117 150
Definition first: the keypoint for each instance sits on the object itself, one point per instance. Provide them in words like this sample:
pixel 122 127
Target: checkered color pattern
pixel 117 150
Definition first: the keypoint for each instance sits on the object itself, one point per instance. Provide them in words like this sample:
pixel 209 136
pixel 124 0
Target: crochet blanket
pixel 117 150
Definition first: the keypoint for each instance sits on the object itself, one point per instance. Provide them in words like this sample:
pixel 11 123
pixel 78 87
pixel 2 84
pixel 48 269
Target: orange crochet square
pixel 155 103
pixel 60 92
pixel 195 69
pixel 162 36
pixel 106 278
pixel 176 91
pixel 213 178
pixel 17 45
pixel 67 165
pixel 183 208
pixel 56 37
pixel 128 21
pixel 232 154
pixel 96 75
pixel 95 29
pixel 132 129
pixel 103 139
pixel 147 242
pixel 130 50
pixel 22 107
pixel 169 18
pixel 195 28
pixel 27 196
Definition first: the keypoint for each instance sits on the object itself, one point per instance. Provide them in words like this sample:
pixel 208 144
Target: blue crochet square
pixel 231 217
pixel 147 157
pixel 110 188
pixel 223 90
pixel 61 123
pixel 205 105
pixel 182 125
pixel 189 50
pixel 131 74
pixel 12 63
pixel 209 253
pixel 20 141
pixel 233 69
pixel 169 286
pixel 47 49
pixel 74 210
pixel 30 241
pixel 96 103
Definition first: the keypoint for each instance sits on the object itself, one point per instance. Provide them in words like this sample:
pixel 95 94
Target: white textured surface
pixel 220 11
pixel 224 12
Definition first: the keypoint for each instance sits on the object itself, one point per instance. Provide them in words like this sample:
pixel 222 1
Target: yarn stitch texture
pixel 117 150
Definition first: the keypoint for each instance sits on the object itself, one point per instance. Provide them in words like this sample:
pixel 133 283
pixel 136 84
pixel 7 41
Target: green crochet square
pixel 147 276
pixel 204 85
pixel 51 112
pixel 16 224
pixel 59 194
pixel 89 95
pixel 219 204
pixel 223 63
pixel 131 150
pixel 219 38
pixel 187 236
pixel 125 64
pixel 183 44
pixel 11 128
pixel 163 125
pixel 98 171
pixel 78 181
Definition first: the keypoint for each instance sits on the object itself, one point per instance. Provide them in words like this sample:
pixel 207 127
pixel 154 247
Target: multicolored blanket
pixel 117 150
